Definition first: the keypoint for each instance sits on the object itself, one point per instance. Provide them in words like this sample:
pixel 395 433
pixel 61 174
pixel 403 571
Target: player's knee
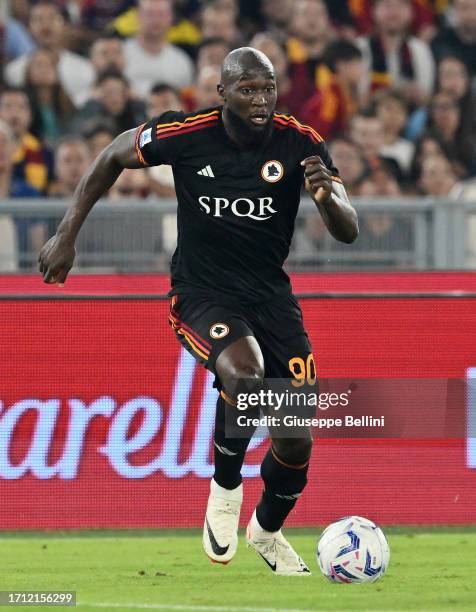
pixel 245 376
pixel 293 451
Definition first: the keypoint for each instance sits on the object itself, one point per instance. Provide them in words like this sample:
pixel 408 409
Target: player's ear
pixel 221 90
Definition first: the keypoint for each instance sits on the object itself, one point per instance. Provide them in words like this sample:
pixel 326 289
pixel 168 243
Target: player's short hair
pixel 340 51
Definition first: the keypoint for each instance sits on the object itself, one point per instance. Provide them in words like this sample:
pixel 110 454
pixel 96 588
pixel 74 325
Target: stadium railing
pixel 139 235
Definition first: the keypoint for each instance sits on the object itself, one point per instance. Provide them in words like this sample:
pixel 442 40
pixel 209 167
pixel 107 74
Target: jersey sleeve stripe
pixel 282 125
pixel 187 120
pixel 193 128
pixel 290 120
pixel 138 151
pixel 183 127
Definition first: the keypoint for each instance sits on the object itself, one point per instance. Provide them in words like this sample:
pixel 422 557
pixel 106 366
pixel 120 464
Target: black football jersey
pixel 236 207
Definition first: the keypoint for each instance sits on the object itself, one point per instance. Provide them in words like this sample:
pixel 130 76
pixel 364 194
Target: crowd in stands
pixel 388 83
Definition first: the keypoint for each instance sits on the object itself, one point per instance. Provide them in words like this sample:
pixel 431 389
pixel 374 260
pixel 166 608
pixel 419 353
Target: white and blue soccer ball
pixel 353 549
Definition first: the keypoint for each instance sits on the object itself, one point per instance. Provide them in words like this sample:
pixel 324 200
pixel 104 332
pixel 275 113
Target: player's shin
pixel 229 451
pixel 284 481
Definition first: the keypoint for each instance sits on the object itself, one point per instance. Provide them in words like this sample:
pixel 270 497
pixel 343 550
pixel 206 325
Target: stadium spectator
pixel 438 178
pixel 72 161
pixel 48 26
pixel 107 53
pixel 97 15
pixel 337 98
pixel 15 40
pixel 389 235
pixel 459 38
pixel 347 156
pixel 98 134
pixel 393 57
pixel 148 55
pixel 10 185
pixel 130 184
pixel 392 110
pixel 445 122
pixel 113 102
pixel 311 31
pixel 20 235
pixel 20 10
pixel 8 240
pixel 453 79
pixel 277 15
pixel 183 33
pixel 32 162
pixel 212 52
pixel 366 131
pixel 50 104
pixel 426 146
pixel 380 182
pixel 206 94
pixel 217 22
pixel 162 98
pixel 423 21
pixel 289 79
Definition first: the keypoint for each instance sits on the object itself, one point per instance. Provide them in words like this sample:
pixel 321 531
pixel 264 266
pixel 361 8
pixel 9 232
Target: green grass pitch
pixel 430 569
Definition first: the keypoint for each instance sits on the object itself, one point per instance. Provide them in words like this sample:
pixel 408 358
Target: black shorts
pixel 205 328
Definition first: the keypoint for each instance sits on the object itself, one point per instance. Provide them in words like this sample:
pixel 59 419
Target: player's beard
pixel 249 135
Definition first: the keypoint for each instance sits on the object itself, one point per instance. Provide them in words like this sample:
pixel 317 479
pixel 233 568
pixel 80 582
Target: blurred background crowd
pixel 388 83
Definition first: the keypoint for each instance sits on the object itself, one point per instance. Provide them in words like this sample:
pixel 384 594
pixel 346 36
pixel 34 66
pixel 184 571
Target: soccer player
pixel 238 171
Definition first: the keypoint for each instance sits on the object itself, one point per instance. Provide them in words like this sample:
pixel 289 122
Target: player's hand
pixel 56 259
pixel 317 178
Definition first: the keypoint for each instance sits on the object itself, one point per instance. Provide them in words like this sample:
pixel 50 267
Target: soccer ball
pixel 353 549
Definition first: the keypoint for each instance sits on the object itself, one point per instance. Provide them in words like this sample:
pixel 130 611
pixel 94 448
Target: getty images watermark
pixel 288 410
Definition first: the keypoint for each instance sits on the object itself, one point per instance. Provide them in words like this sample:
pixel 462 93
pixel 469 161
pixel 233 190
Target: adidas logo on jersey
pixel 207 171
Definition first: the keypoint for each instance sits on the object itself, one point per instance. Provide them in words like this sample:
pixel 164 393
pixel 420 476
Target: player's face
pixel 252 99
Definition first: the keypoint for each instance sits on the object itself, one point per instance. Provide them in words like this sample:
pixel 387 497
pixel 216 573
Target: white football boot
pixel 220 530
pixel 276 551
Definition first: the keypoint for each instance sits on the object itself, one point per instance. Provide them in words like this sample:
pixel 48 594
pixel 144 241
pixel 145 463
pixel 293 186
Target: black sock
pixel 229 452
pixel 282 487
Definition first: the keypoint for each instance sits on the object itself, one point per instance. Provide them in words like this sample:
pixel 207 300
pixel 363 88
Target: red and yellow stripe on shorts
pixel 198 345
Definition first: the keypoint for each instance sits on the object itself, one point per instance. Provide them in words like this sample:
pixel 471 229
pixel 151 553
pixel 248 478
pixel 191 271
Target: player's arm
pixel 331 199
pixel 57 255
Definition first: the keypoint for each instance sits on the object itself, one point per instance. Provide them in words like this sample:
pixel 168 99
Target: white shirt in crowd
pixel 401 151
pixel 422 61
pixel 76 74
pixel 143 69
